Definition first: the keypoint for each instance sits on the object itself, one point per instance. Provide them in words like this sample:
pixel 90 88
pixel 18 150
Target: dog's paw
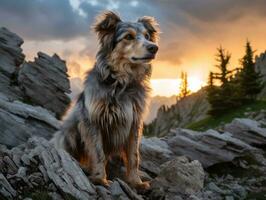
pixel 100 181
pixel 142 187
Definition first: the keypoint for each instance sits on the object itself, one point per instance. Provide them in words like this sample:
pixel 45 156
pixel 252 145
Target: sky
pixel 191 32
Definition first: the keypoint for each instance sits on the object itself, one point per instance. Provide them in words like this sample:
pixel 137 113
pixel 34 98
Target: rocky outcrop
pixel 173 179
pixel 241 137
pixel 174 165
pixel 249 131
pixel 37 164
pixel 20 121
pixel 32 94
pixel 260 65
pixel 45 83
pixel 11 57
pixel 190 109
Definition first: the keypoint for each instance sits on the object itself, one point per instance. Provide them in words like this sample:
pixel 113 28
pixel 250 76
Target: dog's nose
pixel 152 48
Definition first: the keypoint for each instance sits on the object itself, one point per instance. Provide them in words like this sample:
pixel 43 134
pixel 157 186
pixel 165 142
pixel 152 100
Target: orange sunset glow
pixel 190 33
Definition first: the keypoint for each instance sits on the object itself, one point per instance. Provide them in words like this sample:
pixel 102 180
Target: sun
pixel 170 87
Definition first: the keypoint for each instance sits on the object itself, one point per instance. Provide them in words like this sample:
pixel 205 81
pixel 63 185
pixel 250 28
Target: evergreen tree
pixel 183 89
pixel 251 84
pixel 224 97
pixel 223 59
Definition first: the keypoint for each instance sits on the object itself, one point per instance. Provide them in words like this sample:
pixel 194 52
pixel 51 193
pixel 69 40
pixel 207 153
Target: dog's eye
pixel 147 36
pixel 129 37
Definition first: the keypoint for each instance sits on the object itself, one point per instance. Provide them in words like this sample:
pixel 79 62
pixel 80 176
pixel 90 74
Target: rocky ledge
pixel 183 165
pixel 37 168
pixel 43 82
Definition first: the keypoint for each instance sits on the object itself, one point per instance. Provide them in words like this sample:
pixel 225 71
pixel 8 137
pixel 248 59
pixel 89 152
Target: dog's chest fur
pixel 117 112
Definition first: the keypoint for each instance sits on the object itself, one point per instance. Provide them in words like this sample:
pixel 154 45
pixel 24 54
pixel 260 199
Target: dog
pixel 107 117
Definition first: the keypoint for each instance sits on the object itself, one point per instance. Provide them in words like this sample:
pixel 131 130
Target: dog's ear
pixel 106 24
pixel 152 26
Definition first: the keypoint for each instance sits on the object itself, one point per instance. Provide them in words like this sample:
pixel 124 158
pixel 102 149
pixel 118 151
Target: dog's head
pixel 128 42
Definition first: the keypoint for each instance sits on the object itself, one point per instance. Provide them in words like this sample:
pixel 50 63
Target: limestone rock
pixel 192 108
pixel 247 130
pixel 179 177
pixel 45 83
pixel 20 121
pixel 11 57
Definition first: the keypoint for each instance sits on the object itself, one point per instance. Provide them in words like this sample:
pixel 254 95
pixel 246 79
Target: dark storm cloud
pixel 56 19
pixel 225 10
pixel 42 19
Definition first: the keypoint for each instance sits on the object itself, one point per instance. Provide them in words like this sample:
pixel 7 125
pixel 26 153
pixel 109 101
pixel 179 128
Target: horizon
pixel 191 32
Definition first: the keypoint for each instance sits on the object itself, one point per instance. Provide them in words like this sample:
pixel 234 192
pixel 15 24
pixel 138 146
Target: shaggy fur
pixel 106 119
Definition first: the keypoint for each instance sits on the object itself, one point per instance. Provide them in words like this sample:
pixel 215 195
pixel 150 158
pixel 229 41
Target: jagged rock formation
pixel 21 121
pixel 37 164
pixel 31 93
pixel 173 178
pixel 261 67
pixel 241 137
pixel 11 57
pixel 46 75
pixel 234 159
pixel 192 108
pixel 154 105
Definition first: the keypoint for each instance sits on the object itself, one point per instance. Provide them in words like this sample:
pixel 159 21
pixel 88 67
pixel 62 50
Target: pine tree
pixel 251 84
pixel 223 59
pixel 183 89
pixel 224 97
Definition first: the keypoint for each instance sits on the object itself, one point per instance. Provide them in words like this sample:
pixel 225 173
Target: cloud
pixel 42 19
pixel 192 29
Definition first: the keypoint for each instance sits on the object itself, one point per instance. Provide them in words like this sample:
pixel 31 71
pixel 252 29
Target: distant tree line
pixel 228 89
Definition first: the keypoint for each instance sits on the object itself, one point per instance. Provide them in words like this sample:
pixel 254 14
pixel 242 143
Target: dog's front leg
pixel 131 159
pixel 95 160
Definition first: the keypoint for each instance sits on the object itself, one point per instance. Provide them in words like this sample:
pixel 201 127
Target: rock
pixel 209 147
pixel 19 121
pixel 46 75
pixel 260 66
pixel 62 171
pixel 154 152
pixel 117 192
pixel 54 171
pixel 192 108
pixel 213 187
pixel 179 176
pixel 240 191
pixel 24 87
pixel 11 57
pixel 248 131
pixel 229 198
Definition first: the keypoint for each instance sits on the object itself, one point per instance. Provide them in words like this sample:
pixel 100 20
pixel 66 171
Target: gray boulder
pixel 45 83
pixel 179 177
pixel 37 164
pixel 20 121
pixel 11 57
pixel 247 130
pixel 260 66
pixel 210 147
pixel 190 109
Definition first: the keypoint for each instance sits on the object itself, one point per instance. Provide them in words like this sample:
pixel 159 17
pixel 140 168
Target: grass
pixel 213 122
